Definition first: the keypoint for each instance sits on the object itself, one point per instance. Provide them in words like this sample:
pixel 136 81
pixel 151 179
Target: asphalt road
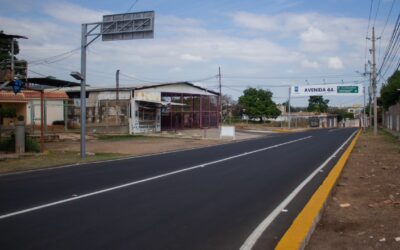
pixel 210 198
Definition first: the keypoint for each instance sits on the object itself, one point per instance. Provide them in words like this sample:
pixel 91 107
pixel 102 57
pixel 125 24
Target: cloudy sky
pixel 259 43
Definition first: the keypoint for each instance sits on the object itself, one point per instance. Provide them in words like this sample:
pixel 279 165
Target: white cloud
pixel 309 64
pixel 254 21
pixel 72 13
pixel 335 63
pixel 192 58
pixel 314 35
pixel 175 70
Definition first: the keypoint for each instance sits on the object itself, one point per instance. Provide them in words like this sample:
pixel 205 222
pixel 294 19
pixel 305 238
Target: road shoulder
pixel 364 208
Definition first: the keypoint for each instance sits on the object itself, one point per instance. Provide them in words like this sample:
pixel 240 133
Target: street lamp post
pixel 78 76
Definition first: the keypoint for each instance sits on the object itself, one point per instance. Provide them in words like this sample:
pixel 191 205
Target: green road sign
pixel 347 89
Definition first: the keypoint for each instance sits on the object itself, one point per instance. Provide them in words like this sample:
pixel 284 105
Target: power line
pixel 287 77
pixel 391 49
pixel 369 23
pixel 37 73
pixel 388 16
pixel 132 5
pixel 377 11
pixel 54 58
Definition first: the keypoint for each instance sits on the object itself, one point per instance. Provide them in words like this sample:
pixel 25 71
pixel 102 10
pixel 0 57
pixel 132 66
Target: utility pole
pixel 374 82
pixel 220 95
pixel 370 98
pixel 364 120
pixel 83 90
pixel 289 113
pixel 117 84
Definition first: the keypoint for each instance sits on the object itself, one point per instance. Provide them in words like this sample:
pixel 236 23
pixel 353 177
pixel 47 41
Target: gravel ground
pixel 364 209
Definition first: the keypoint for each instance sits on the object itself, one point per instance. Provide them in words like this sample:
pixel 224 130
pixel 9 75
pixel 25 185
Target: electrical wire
pixel 391 49
pixel 54 58
pixel 132 5
pixel 377 11
pixel 387 18
pixel 37 73
pixel 366 36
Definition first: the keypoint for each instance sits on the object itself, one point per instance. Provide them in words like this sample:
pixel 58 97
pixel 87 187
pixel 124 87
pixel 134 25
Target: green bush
pixel 8 144
pixel 31 145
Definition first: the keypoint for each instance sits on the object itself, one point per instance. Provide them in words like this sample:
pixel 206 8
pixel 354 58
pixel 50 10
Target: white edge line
pixel 144 180
pixel 256 234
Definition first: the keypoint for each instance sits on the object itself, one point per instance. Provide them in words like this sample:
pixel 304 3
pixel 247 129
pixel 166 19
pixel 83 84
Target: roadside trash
pixel 383 239
pixel 345 205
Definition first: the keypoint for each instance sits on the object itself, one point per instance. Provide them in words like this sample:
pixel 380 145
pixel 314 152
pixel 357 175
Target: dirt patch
pixel 137 146
pixel 370 184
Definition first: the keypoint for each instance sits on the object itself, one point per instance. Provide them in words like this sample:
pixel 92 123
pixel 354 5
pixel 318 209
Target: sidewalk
pixel 364 210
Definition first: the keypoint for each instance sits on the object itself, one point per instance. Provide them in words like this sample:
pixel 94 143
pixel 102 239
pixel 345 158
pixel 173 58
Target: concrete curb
pixel 299 233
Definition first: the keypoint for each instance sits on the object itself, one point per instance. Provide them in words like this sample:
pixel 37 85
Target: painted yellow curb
pixel 300 231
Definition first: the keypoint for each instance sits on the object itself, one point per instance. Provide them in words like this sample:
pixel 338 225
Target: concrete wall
pixel 54 112
pixel 391 118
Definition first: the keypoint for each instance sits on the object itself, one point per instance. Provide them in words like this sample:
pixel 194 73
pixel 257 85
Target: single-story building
pixel 146 108
pixel 27 104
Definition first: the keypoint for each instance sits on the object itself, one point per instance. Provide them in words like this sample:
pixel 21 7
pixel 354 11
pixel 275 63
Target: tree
pixel 5 50
pixel 5 57
pixel 317 104
pixel 292 108
pixel 257 103
pixel 389 92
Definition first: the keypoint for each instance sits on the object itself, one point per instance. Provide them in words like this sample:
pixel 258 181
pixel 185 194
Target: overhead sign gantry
pixel 327 89
pixel 124 26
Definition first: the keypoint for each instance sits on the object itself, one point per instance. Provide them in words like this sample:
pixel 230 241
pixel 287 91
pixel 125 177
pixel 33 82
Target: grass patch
pixel 388 136
pixel 121 137
pixel 51 159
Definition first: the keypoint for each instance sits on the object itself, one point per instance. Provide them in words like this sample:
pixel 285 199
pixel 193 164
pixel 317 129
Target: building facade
pixel 148 108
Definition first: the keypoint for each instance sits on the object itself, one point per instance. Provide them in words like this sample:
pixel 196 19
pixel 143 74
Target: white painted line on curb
pixel 256 234
pixel 144 180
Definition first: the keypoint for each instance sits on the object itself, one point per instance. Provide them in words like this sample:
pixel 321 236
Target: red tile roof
pixel 59 95
pixel 26 95
pixel 7 96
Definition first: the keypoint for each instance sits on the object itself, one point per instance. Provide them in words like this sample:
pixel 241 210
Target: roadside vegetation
pixel 50 159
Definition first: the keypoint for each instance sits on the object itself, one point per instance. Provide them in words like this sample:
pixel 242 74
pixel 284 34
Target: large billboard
pixel 127 26
pixel 327 89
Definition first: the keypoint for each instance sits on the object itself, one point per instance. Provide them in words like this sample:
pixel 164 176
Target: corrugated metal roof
pixel 138 87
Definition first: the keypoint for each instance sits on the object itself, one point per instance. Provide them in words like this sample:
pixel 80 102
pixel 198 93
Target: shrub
pixel 31 145
pixel 8 144
pixel 59 122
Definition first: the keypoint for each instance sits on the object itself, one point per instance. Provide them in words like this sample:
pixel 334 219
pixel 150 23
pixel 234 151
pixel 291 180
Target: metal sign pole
pixel 364 120
pixel 125 26
pixel 289 115
pixel 83 91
